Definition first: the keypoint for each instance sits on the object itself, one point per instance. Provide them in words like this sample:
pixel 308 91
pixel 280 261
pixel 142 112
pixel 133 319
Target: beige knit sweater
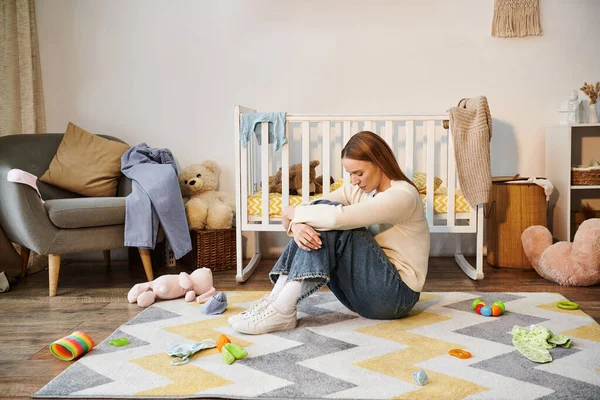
pixel 471 127
pixel 394 217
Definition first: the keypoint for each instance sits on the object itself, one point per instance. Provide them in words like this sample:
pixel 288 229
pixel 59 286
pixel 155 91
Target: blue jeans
pixel 355 269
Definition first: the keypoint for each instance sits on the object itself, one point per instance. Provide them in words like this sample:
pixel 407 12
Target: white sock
pixel 287 299
pixel 278 286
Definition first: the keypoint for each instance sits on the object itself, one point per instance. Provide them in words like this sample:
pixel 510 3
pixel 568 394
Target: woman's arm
pixel 338 196
pixel 305 236
pixel 389 207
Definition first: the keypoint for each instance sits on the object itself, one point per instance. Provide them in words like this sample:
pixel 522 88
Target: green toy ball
pixel 474 303
pixel 500 304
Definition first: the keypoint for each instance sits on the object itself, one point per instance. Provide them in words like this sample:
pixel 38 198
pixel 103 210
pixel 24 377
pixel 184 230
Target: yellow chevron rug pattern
pixel 336 354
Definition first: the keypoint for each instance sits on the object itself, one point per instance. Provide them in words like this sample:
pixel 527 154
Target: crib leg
pixel 472 272
pixel 244 273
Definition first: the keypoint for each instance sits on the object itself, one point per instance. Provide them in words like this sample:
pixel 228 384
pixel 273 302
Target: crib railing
pixel 254 165
pixel 257 164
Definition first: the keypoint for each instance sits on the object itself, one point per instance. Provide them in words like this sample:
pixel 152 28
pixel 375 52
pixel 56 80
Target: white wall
pixel 169 72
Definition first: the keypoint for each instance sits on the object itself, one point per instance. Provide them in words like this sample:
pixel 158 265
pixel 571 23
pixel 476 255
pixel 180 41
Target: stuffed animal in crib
pixel 295 178
pixel 198 285
pixel 205 207
pixel 568 264
pixel 319 183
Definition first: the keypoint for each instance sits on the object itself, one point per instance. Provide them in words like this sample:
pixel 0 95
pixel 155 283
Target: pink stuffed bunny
pixel 569 264
pixel 167 287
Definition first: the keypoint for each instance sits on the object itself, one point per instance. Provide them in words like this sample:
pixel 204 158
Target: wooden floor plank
pixel 93 299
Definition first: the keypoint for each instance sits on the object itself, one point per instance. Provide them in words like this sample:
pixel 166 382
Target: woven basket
pixel 213 249
pixel 585 176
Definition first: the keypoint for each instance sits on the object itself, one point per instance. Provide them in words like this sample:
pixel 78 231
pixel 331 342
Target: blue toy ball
pixel 486 311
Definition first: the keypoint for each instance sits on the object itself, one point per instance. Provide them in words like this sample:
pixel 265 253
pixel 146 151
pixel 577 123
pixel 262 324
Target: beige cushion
pixel 86 164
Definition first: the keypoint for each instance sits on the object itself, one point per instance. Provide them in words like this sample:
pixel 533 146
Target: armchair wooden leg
pixel 147 262
pixel 24 261
pixel 53 270
pixel 106 257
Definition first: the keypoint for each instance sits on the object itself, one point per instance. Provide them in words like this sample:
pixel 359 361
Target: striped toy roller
pixel 72 346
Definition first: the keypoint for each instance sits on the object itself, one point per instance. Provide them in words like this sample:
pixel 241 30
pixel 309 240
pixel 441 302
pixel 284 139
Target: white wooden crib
pixel 419 141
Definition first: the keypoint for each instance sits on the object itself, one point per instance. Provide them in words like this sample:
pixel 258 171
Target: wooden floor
pixel 29 322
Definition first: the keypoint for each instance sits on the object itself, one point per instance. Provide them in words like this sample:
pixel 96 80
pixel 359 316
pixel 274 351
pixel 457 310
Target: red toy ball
pixel 478 307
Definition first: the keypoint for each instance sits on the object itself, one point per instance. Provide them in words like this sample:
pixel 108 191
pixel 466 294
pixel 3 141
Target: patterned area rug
pixel 336 354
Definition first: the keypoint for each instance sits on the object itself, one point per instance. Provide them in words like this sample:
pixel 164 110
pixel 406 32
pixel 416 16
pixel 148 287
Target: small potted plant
pixel 592 91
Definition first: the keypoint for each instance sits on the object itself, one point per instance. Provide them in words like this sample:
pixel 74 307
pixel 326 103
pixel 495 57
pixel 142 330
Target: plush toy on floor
pixel 569 264
pixel 198 283
pixel 205 207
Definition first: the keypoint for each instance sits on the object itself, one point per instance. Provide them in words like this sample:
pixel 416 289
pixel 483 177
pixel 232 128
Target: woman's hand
pixel 287 215
pixel 306 237
pixel 285 221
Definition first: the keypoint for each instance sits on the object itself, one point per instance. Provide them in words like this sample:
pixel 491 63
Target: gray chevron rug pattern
pixel 336 354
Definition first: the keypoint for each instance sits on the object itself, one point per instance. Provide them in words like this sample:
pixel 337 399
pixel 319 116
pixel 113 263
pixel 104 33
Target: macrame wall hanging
pixel 516 18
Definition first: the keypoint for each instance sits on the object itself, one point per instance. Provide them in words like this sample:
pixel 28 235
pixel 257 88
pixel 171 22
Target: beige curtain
pixel 21 96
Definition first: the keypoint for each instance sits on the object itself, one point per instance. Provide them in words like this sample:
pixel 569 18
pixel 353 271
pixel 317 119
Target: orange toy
pixel 222 341
pixel 496 310
pixel 459 353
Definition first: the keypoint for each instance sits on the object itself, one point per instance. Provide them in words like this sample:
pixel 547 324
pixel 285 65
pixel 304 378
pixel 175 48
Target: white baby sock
pixel 287 299
pixel 278 286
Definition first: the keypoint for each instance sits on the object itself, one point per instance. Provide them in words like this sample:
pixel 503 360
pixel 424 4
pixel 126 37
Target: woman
pixel 368 242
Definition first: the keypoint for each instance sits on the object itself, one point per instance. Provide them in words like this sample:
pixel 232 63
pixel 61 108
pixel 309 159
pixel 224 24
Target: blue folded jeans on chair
pixel 156 197
pixel 355 269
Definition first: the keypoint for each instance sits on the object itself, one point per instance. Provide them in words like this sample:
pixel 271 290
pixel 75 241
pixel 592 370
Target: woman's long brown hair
pixel 367 146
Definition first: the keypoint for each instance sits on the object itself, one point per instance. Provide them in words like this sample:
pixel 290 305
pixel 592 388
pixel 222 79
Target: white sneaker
pixel 265 320
pixel 259 305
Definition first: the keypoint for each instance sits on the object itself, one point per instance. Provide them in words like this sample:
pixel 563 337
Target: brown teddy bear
pixel 569 264
pixel 275 183
pixel 319 183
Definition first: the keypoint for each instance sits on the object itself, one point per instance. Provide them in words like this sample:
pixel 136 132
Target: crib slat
pixel 337 136
pixel 264 163
pixel 326 157
pixel 368 126
pixel 305 161
pixel 389 133
pixel 347 135
pixel 244 182
pixel 430 137
pixel 451 206
pixel 410 140
pixel 285 169
pixel 240 183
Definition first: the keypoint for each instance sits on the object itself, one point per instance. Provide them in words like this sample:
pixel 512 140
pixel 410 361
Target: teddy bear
pixel 295 176
pixel 205 207
pixel 198 285
pixel 319 183
pixel 568 264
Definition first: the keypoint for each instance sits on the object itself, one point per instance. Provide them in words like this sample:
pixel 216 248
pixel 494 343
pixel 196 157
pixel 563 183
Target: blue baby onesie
pixel 250 122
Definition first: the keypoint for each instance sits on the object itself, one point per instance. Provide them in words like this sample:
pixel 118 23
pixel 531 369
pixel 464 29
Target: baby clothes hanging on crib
pixel 250 122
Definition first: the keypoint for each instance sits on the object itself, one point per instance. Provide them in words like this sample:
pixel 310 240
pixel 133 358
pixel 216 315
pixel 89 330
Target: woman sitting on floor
pixel 367 241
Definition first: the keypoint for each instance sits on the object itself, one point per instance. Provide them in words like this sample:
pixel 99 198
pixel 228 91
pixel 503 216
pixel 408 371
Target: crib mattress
pixel 440 200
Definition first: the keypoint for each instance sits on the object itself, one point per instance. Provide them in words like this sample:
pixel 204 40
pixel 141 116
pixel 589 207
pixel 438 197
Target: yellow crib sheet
pixel 440 200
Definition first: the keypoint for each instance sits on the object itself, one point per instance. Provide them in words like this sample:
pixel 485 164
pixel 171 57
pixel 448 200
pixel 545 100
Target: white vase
pixel 593 115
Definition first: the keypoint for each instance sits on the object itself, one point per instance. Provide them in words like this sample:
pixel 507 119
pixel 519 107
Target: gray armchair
pixel 67 222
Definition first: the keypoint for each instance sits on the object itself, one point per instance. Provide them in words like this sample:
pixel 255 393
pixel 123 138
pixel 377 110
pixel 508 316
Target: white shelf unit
pixel 568 146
